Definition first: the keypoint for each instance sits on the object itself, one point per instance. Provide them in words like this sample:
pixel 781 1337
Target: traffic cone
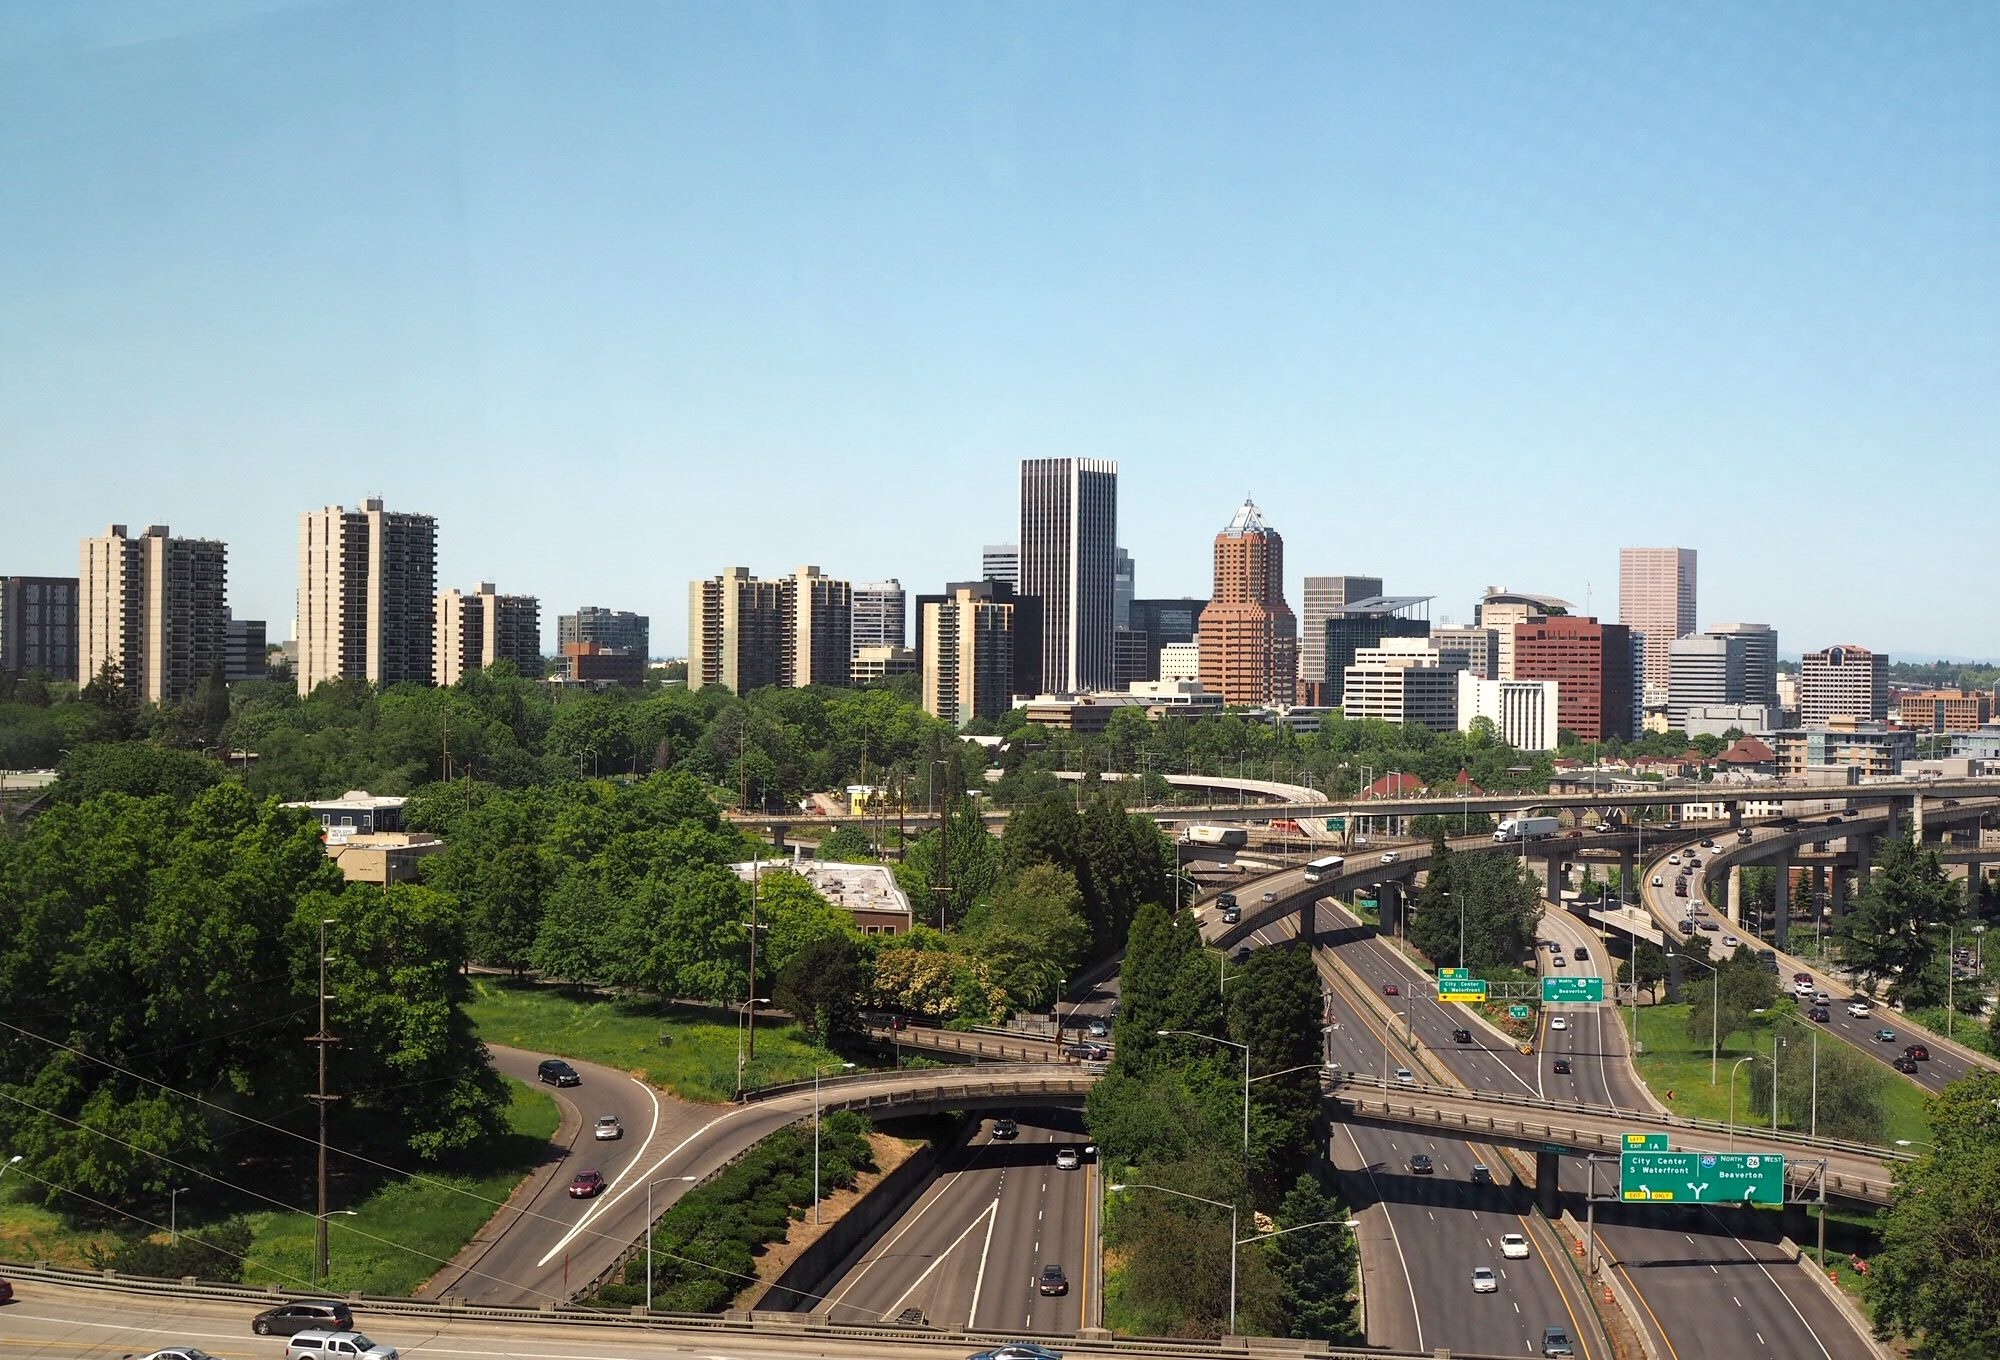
pixel 1607 1293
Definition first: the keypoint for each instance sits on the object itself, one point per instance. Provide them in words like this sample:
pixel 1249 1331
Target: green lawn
pixel 1673 1063
pixel 412 1227
pixel 685 1050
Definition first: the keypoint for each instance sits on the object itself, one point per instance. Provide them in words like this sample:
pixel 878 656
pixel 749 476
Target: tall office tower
pixel 1026 640
pixel 1249 636
pixel 476 630
pixel 1522 711
pixel 1153 624
pixel 1069 532
pixel 1760 659
pixel 1476 649
pixel 246 655
pixel 1843 682
pixel 968 654
pixel 38 626
pixel 367 606
pixel 154 607
pixel 1401 681
pixel 1123 574
pixel 1323 595
pixel 616 628
pixel 878 615
pixel 1500 609
pixel 1367 623
pixel 1592 665
pixel 1656 601
pixel 1704 670
pixel 1001 562
pixel 744 634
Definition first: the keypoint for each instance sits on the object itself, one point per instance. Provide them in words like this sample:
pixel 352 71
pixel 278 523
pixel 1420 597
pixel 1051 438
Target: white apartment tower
pixel 155 607
pixel 1656 600
pixel 1069 538
pixel 367 603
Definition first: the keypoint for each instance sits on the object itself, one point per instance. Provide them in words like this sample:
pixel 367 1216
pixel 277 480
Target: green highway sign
pixel 1645 1142
pixel 1447 974
pixel 1462 989
pixel 1701 1177
pixel 1518 1012
pixel 1578 989
pixel 1336 824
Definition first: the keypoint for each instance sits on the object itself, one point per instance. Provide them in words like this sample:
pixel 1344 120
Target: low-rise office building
pixel 1874 749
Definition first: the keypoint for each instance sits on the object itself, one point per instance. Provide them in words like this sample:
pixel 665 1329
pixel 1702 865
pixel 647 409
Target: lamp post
pixel 665 1180
pixel 1203 1199
pixel 1245 1050
pixel 173 1213
pixel 1714 1010
pixel 1732 1096
pixel 325 1251
pixel 817 1069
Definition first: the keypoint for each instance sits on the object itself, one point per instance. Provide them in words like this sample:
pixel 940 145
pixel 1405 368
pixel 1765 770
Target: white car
pixel 1659 882
pixel 1858 1009
pixel 1404 1074
pixel 1673 859
pixel 608 1129
pixel 1484 1281
pixel 1067 1159
pixel 1558 1022
pixel 1514 1246
pixel 1803 989
pixel 173 1353
pixel 1389 857
pixel 1730 941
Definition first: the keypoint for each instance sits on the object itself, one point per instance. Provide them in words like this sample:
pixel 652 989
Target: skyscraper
pixel 367 606
pixel 1123 575
pixel 1843 683
pixel 154 606
pixel 1656 600
pixel 38 626
pixel 1249 636
pixel 744 634
pixel 1323 595
pixel 968 654
pixel 1591 663
pixel 476 630
pixel 1069 533
pixel 878 615
pixel 1367 623
pixel 1706 670
pixel 1001 562
pixel 1760 659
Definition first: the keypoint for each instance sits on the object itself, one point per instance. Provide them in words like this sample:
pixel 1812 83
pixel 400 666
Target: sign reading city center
pixel 1576 989
pixel 1458 984
pixel 1701 1178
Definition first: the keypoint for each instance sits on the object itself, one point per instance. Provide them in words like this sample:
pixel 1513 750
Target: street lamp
pixel 1732 1096
pixel 665 1180
pixel 817 1069
pixel 1233 1241
pixel 325 1250
pixel 1245 1049
pixel 1714 1008
pixel 173 1213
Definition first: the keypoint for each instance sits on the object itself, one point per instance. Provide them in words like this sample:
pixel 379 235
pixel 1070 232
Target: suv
pixel 347 1345
pixel 1555 1341
pixel 1231 914
pixel 556 1072
pixel 1053 1280
pixel 324 1315
pixel 1461 1036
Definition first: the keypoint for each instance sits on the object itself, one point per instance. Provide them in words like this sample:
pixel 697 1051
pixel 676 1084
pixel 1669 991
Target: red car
pixel 586 1184
pixel 1391 989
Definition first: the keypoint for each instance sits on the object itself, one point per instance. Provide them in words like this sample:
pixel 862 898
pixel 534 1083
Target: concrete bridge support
pixel 1548 1183
pixel 1389 906
pixel 779 830
pixel 1736 815
pixel 1864 863
pixel 1732 900
pixel 1781 909
pixel 1628 886
pixel 1309 920
pixel 1553 869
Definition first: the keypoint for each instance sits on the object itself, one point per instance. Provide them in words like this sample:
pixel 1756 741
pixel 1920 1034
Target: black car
pixel 1053 1280
pixel 1581 952
pixel 1819 1013
pixel 328 1315
pixel 1562 1067
pixel 1482 1174
pixel 1005 1128
pixel 1242 955
pixel 1461 1036
pixel 1905 1064
pixel 1420 1164
pixel 556 1072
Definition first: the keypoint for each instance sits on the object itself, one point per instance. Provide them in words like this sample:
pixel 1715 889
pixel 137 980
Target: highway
pixel 969 1250
pixel 1707 1294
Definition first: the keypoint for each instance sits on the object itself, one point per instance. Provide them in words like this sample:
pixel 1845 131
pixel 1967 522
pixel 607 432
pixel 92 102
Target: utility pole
pixel 750 996
pixel 322 1098
pixel 941 889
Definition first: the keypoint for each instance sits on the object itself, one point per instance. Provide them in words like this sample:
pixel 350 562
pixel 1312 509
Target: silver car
pixel 608 1129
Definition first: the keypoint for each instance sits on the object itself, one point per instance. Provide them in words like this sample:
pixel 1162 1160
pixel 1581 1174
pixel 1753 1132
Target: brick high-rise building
pixel 744 634
pixel 1323 595
pixel 367 604
pixel 1656 600
pixel 38 626
pixel 1843 683
pixel 1069 539
pixel 1591 663
pixel 1249 635
pixel 154 606
pixel 476 630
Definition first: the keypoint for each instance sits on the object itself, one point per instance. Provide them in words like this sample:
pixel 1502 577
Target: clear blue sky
pixel 628 293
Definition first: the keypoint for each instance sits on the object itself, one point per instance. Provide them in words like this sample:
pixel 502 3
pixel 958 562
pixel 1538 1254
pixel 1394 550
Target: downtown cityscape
pixel 998 682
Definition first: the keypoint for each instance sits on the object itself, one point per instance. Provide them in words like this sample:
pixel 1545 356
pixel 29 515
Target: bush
pixel 212 1254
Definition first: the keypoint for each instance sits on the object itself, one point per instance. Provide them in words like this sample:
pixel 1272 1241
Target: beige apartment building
pixel 367 606
pixel 968 655
pixel 154 606
pixel 475 630
pixel 745 633
pixel 1844 682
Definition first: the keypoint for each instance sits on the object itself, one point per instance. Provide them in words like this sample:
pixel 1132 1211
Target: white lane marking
pixel 937 1193
pixel 979 1280
pixel 602 1205
pixel 917 1283
pixel 1409 1283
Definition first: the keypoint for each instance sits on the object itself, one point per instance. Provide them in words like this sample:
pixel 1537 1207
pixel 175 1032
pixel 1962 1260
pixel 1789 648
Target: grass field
pixel 1672 1062
pixel 685 1050
pixel 405 1231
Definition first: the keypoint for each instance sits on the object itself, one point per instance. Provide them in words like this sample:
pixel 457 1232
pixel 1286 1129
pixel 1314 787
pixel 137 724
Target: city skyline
pixel 1668 270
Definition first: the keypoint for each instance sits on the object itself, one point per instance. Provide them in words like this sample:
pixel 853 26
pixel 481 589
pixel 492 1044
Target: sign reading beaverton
pixel 1458 984
pixel 1701 1178
pixel 1577 989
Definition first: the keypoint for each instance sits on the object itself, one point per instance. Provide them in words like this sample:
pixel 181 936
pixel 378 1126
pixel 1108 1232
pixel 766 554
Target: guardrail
pixel 775 1326
pixel 754 1094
